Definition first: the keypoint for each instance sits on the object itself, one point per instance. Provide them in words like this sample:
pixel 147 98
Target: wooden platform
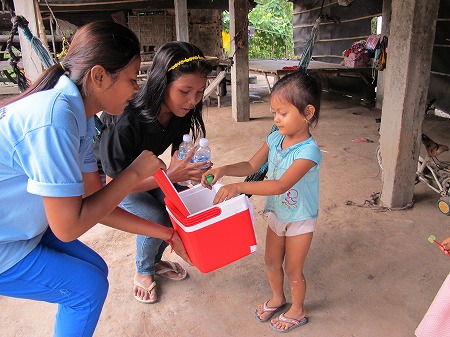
pixel 279 68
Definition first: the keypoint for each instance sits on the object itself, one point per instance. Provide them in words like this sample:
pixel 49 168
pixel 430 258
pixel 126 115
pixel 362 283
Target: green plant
pixel 272 23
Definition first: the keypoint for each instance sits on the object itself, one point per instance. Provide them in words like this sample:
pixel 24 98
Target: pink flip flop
pixel 266 308
pixel 295 323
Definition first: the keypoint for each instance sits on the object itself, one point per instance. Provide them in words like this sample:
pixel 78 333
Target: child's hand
pixel 206 179
pixel 146 164
pixel 446 244
pixel 226 192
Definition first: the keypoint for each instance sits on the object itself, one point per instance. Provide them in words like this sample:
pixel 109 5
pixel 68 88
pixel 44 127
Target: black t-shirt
pixel 124 137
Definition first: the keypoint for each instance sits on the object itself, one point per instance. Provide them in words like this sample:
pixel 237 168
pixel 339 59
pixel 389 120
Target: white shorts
pixel 291 228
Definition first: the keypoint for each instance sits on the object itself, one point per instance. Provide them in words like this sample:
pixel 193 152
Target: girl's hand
pixel 183 169
pixel 177 245
pixel 206 181
pixel 226 192
pixel 216 173
pixel 146 164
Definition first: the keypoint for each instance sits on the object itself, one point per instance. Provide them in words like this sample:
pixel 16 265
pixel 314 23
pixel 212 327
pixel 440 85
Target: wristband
pixel 169 240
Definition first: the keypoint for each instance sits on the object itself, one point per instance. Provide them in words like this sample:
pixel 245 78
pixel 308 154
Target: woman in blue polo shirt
pixel 51 192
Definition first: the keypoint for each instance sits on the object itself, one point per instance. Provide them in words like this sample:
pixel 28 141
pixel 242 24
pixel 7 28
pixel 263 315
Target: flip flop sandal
pixel 295 323
pixel 148 289
pixel 266 308
pixel 173 268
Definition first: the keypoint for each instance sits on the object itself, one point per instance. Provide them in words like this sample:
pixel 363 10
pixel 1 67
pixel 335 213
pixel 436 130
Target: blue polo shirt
pixel 46 144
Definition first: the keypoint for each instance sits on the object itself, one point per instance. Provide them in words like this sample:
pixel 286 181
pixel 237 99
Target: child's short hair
pixel 300 89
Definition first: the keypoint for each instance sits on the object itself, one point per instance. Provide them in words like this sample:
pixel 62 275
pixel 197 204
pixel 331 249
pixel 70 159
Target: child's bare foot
pixel 265 311
pixel 288 321
pixel 145 288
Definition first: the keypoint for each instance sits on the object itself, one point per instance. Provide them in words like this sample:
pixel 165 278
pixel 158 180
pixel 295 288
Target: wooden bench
pixel 213 86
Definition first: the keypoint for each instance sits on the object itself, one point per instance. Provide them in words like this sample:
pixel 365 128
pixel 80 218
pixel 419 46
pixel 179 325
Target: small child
pixel 292 191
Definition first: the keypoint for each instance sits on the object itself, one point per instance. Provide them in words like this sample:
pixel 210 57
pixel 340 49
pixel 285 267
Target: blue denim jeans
pixel 149 205
pixel 67 273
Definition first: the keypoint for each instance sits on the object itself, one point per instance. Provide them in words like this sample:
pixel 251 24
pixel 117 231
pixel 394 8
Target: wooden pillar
pixel 181 20
pixel 31 62
pixel 40 24
pixel 240 101
pixel 410 48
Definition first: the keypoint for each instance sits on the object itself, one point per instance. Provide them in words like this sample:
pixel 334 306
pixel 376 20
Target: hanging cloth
pixel 305 58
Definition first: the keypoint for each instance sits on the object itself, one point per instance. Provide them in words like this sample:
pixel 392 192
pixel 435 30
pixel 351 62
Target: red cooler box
pixel 213 235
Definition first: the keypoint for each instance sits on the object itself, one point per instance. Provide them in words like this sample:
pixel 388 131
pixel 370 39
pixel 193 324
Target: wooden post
pixel 53 38
pixel 31 62
pixel 240 101
pixel 181 20
pixel 40 24
pixel 410 48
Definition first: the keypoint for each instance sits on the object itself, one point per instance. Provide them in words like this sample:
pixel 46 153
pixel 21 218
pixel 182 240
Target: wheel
pixel 444 205
pixel 380 163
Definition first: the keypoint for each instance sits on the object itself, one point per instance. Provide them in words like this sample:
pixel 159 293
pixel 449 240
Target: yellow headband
pixel 189 59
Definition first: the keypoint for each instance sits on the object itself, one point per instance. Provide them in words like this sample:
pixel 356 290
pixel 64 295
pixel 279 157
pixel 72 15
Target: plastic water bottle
pixel 183 151
pixel 202 153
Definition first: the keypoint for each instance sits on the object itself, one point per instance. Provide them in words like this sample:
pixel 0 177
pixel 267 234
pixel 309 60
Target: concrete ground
pixel 370 272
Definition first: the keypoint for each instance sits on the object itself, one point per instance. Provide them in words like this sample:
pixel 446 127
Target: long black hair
pixel 149 100
pixel 108 44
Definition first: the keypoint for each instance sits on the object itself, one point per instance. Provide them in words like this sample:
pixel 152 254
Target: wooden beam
pixel 240 101
pixel 31 61
pixel 16 39
pixel 181 20
pixel 40 24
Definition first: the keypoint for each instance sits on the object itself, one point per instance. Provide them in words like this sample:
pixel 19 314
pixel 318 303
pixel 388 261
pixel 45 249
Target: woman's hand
pixel 146 164
pixel 177 245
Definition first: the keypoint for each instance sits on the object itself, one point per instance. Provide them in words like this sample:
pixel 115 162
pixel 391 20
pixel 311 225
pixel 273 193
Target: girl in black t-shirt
pixel 167 106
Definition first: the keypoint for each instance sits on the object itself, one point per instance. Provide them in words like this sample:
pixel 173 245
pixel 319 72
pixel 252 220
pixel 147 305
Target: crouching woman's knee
pixel 78 315
pixel 92 292
pixel 97 289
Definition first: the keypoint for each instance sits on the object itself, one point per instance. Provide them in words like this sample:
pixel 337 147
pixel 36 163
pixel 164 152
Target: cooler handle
pixel 193 220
